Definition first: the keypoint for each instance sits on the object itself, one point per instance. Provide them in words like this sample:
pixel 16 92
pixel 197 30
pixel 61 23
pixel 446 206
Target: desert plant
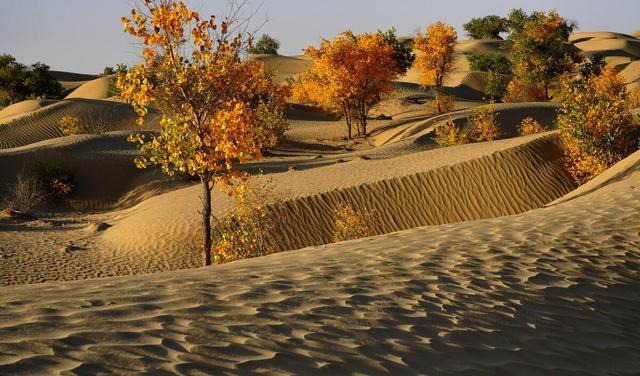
pixel 434 57
pixel 493 62
pixel 57 181
pixel 88 123
pixel 213 102
pixel 351 74
pixel 485 126
pixel 20 82
pixel 353 224
pixel 108 71
pixel 596 126
pixel 496 86
pixel 25 194
pixel 530 126
pixel 266 45
pixel 252 229
pixel 402 52
pixel 519 90
pixel 488 27
pixel 538 49
pixel 443 103
pixel 449 134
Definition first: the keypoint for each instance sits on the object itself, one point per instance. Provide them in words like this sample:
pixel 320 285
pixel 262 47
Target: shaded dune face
pixel 548 291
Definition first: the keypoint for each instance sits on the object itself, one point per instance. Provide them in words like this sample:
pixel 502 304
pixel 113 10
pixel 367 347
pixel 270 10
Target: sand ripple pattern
pixel 552 291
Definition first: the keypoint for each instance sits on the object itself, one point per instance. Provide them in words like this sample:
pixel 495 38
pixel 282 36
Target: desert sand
pixel 489 258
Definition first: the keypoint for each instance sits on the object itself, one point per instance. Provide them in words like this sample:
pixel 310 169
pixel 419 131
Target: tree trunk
pixel 363 118
pixel 347 117
pixel 206 219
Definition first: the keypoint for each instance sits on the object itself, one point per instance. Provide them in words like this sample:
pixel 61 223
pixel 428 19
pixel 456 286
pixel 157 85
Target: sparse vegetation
pixel 266 45
pixel 57 181
pixel 24 195
pixel 530 126
pixel 488 27
pixel 449 134
pixel 353 224
pixel 88 123
pixel 596 126
pixel 253 229
pixel 350 75
pixel 434 58
pixel 443 103
pixel 483 126
pixel 218 108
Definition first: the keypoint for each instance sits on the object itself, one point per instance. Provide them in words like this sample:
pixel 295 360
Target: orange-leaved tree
pixel 217 108
pixel 434 57
pixel 350 75
pixel 596 126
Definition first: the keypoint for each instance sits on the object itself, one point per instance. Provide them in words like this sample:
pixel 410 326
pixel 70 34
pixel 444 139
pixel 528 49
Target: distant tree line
pixel 19 82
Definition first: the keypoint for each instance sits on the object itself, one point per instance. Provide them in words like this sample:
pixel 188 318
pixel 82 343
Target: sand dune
pixel 548 291
pixel 478 46
pixel 611 47
pixel 94 89
pixel 22 108
pixel 42 124
pixel 284 67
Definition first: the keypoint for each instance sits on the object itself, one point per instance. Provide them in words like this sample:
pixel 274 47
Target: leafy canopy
pixel 266 45
pixel 20 82
pixel 217 107
pixel 488 27
pixel 350 75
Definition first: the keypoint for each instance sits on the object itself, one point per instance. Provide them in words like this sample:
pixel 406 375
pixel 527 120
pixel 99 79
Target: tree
pixel 350 75
pixel 496 86
pixel 434 57
pixel 402 53
pixel 493 62
pixel 488 27
pixel 217 108
pixel 108 71
pixel 538 49
pixel 595 124
pixel 20 82
pixel 265 45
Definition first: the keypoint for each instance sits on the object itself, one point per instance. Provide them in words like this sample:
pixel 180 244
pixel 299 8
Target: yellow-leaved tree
pixel 218 109
pixel 434 58
pixel 351 74
pixel 596 126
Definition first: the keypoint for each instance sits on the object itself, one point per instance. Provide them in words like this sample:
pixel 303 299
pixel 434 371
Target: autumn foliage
pixel 539 53
pixel 351 74
pixel 353 224
pixel 596 126
pixel 218 109
pixel 530 126
pixel 483 126
pixel 434 58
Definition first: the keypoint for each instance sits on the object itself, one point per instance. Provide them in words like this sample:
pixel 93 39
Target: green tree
pixel 538 48
pixel 493 62
pixel 488 27
pixel 403 53
pixel 20 82
pixel 266 45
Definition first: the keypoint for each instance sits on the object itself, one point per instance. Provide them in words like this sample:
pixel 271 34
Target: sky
pixel 84 36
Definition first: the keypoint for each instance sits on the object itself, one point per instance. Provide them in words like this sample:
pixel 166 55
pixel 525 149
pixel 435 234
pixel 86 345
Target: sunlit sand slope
pixel 552 291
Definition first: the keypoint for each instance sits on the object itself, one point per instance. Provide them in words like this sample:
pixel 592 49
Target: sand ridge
pixel 548 291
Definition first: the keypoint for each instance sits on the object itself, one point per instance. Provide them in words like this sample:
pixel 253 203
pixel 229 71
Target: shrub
pixel 351 224
pixel 530 126
pixel 485 126
pixel 89 123
pixel 56 181
pixel 494 62
pixel 520 91
pixel 265 45
pixel 24 195
pixel 596 126
pixel 21 82
pixel 449 134
pixel 253 229
pixel 4 102
pixel 443 103
pixel 496 86
pixel 488 27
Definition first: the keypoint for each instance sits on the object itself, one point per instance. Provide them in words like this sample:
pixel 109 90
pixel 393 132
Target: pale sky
pixel 86 35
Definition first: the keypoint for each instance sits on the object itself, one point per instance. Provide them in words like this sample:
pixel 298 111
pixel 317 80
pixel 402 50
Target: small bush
pixel 253 229
pixel 485 126
pixel 90 123
pixel 25 194
pixel 449 134
pixel 56 181
pixel 530 126
pixel 443 104
pixel 496 86
pixel 494 62
pixel 351 224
